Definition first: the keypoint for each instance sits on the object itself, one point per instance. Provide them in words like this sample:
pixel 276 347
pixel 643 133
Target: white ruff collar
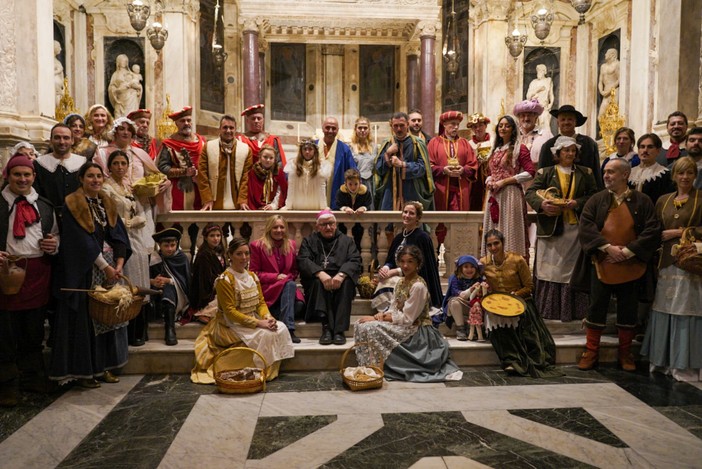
pixel 10 196
pixel 641 174
pixel 72 163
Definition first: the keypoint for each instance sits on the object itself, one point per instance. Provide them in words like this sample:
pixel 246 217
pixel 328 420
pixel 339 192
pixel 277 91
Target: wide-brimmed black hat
pixel 579 118
pixel 167 235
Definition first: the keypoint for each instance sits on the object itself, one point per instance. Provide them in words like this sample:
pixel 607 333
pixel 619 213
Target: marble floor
pixel 604 418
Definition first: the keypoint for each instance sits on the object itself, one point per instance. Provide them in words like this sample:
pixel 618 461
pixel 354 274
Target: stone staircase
pixel 156 357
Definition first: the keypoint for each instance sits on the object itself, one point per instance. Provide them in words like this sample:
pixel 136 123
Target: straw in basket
pixel 357 384
pixel 108 313
pixel 225 362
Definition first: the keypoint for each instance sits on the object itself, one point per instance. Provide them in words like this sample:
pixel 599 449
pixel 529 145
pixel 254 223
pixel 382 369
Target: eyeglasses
pixel 327 223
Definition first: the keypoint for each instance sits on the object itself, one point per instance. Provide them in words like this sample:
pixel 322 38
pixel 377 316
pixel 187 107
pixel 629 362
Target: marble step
pixel 156 357
pixel 314 330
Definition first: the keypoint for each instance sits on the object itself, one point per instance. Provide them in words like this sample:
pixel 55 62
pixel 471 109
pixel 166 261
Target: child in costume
pixel 268 187
pixel 353 197
pixel 170 272
pixel 465 290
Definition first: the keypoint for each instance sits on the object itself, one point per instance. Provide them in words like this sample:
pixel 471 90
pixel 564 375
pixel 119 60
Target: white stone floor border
pixel 51 435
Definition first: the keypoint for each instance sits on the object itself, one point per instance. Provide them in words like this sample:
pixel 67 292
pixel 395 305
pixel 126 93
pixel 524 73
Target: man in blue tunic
pixel 403 173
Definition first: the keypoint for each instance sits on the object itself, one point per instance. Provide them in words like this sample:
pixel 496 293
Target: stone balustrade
pixel 463 229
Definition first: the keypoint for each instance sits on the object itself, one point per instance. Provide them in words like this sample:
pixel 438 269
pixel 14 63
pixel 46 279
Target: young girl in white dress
pixel 308 177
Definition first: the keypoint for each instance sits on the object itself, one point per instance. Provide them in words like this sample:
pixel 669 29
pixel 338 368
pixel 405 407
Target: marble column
pixel 583 85
pixel 333 57
pixel 639 110
pixel 427 72
pixel 252 70
pixel 179 60
pixel 26 60
pixel 262 49
pixel 79 83
pixel 413 91
pixel 668 20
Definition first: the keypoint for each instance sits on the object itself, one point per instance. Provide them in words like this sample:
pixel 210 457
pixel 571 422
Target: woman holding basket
pixel 673 341
pixel 94 248
pixel 242 319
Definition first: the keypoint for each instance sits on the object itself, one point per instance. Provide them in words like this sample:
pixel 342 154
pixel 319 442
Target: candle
pixel 298 132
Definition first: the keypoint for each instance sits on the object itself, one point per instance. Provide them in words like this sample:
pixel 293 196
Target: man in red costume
pixel 142 139
pixel 178 160
pixel 453 165
pixel 255 137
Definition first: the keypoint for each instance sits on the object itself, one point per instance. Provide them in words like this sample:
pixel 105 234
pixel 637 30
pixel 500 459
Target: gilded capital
pixel 250 25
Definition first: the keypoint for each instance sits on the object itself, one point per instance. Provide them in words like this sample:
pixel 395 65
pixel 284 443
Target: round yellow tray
pixel 503 304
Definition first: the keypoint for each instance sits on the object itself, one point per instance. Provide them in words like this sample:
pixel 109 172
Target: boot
pixel 461 333
pixel 169 322
pixel 589 358
pixel 326 338
pixel 626 358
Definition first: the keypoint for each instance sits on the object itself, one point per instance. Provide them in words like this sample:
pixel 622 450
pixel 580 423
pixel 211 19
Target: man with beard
pixel 339 156
pixel 527 113
pixel 415 125
pixel 403 171
pixel 619 233
pixel 142 119
pixel 453 165
pixel 694 151
pixel 677 128
pixel 57 172
pixel 179 159
pixel 329 265
pixel 569 119
pixel 255 137
pixel 223 170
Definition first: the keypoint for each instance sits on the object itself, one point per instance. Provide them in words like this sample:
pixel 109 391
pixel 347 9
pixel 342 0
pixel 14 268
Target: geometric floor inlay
pixel 407 438
pixel 573 420
pixel 275 433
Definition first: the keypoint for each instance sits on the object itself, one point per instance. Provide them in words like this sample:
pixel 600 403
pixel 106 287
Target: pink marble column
pixel 252 70
pixel 413 93
pixel 427 64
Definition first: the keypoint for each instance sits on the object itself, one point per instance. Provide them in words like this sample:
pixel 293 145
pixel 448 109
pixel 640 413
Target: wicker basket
pixel 356 385
pixel 686 255
pixel 107 312
pixel 219 366
pixel 148 186
pixel 367 283
pixel 553 195
pixel 12 275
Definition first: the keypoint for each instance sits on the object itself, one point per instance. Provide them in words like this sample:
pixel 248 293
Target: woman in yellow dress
pixel 242 319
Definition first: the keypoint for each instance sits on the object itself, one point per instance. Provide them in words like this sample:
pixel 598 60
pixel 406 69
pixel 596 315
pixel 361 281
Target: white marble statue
pixel 125 88
pixel 609 79
pixel 541 89
pixel 58 73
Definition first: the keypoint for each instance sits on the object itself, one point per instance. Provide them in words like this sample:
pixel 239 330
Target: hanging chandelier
pixel 218 54
pixel 138 13
pixel 581 6
pixel 541 20
pixel 451 49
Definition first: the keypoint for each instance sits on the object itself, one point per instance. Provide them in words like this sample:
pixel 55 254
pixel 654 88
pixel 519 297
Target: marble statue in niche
pixel 541 89
pixel 125 87
pixel 609 79
pixel 58 73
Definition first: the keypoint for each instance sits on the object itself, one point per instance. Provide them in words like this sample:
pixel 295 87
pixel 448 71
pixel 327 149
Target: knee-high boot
pixel 169 322
pixel 589 358
pixel 626 358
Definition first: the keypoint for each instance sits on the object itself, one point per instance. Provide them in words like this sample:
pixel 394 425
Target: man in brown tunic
pixel 619 233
